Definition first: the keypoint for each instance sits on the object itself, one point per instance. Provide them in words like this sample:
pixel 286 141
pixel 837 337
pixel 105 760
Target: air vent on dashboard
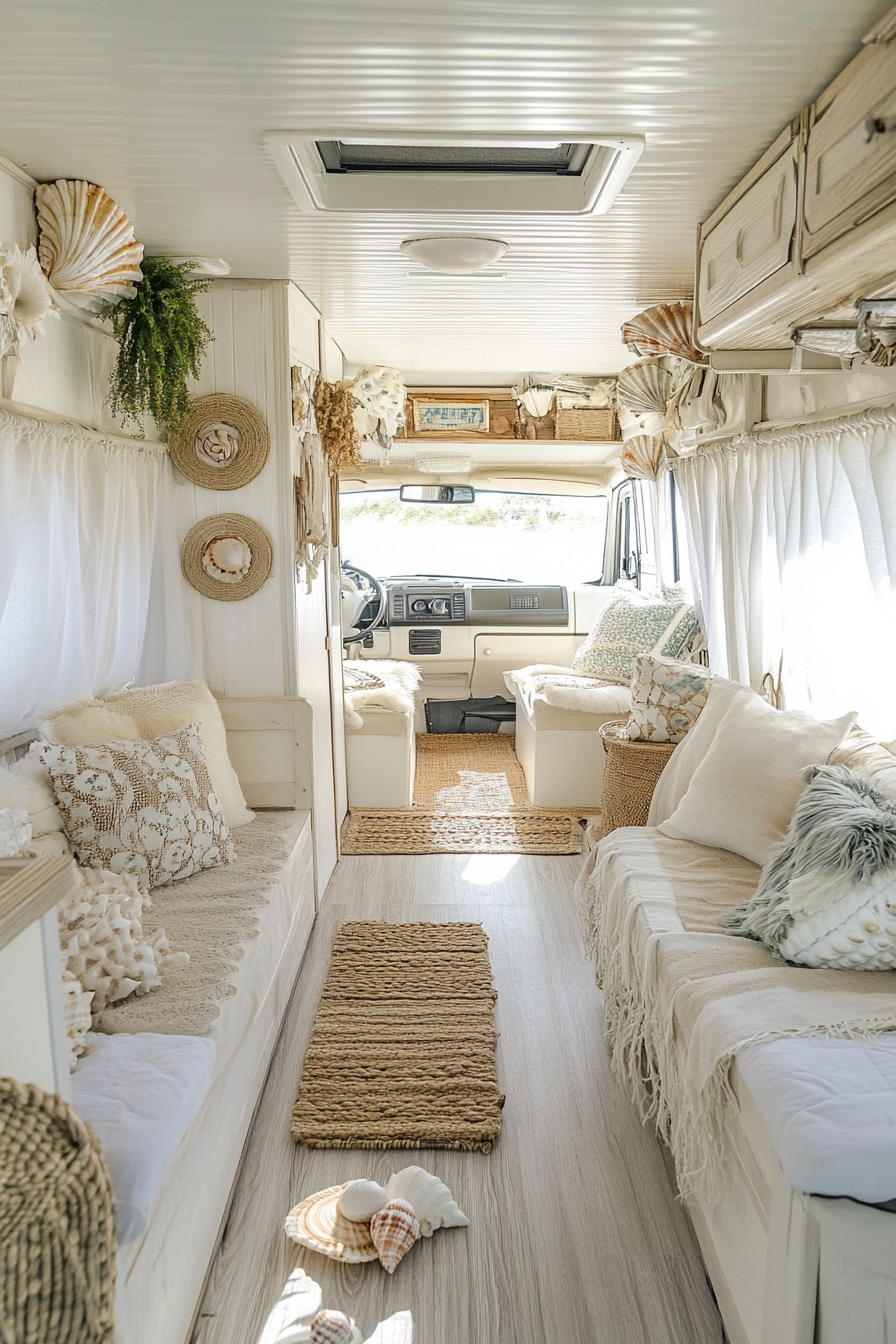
pixel 457 603
pixel 398 606
pixel 424 641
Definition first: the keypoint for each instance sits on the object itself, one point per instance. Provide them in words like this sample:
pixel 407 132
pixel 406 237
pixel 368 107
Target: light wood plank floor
pixel 575 1234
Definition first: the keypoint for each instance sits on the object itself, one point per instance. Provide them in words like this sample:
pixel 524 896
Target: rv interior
pixel 447 643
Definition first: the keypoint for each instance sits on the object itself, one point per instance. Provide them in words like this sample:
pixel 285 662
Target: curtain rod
pixel 107 431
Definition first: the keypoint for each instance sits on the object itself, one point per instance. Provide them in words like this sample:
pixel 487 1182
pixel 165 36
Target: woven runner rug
pixel 402 1051
pixel 469 798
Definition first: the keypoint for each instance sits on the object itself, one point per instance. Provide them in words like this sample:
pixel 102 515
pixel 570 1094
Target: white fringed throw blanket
pixel 397 684
pixel 565 689
pixel 682 1000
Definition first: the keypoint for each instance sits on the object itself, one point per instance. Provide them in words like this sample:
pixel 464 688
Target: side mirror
pixel 437 494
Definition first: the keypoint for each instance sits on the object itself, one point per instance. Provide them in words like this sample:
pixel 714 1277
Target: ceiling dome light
pixel 454 255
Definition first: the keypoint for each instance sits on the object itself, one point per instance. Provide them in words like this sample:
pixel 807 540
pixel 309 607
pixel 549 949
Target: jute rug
pixel 469 798
pixel 402 1052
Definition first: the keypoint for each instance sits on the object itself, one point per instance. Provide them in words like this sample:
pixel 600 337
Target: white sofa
pixel 559 748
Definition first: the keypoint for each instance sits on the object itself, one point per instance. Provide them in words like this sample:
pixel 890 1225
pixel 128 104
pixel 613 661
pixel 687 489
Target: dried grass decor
pixel 334 406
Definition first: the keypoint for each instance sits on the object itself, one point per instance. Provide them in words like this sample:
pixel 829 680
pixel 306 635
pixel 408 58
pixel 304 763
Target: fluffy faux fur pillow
pixel 397 683
pixel 103 943
pixel 827 896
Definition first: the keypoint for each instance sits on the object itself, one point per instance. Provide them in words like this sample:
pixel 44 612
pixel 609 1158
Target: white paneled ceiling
pixel 164 103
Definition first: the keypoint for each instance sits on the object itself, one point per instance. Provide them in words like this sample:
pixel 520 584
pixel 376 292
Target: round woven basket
pixel 630 775
pixel 241 529
pixel 219 425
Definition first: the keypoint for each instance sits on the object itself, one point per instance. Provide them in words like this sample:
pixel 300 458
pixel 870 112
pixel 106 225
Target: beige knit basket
pixel 587 424
pixel 630 775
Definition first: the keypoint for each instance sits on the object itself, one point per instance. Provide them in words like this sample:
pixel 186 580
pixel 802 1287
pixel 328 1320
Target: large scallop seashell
pixel 331 1327
pixel 24 293
pixel 641 457
pixel 360 1200
pixel 430 1198
pixel 227 559
pixel 393 1232
pixel 644 388
pixel 664 329
pixel 87 246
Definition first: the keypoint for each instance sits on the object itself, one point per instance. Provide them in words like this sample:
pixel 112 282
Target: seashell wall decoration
pixel 227 559
pixel 665 329
pixel 25 296
pixel 393 1232
pixel 644 388
pixel 87 246
pixel 641 457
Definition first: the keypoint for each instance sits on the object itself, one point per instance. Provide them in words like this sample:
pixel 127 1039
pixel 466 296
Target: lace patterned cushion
pixel 140 807
pixel 667 698
pixel 631 624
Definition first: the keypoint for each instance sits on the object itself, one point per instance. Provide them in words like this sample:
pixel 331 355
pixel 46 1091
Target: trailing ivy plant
pixel 161 339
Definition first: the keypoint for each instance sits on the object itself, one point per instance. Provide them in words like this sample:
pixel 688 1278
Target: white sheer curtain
pixel 793 552
pixel 91 595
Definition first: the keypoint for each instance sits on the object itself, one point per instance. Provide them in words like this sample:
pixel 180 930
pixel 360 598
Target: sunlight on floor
pixel 479 791
pixel 485 869
pixel 301 1300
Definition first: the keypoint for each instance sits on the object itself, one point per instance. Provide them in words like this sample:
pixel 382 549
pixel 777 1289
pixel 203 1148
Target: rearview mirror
pixel 437 494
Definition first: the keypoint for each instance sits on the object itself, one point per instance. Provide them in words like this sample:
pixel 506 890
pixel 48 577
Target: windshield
pixel 533 538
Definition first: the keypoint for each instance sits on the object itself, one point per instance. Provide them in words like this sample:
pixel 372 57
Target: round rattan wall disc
pixel 221 443
pixel 227 557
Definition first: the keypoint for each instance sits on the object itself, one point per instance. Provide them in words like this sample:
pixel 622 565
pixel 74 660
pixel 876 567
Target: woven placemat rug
pixel 402 1051
pixel 469 798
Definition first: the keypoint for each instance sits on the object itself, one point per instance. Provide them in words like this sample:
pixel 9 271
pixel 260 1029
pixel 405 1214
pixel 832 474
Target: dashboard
pixel 474 602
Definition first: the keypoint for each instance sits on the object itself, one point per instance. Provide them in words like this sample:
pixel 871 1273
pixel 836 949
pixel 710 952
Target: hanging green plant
pixel 161 339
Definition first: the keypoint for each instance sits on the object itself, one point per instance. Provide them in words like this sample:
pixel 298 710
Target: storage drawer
pixel 851 149
pixel 752 241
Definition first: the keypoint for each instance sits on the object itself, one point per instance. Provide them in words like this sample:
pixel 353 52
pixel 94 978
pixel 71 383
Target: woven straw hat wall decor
pixel 221 443
pixel 227 557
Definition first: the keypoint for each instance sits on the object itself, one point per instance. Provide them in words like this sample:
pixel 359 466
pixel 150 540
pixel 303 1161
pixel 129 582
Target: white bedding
pixel 140 1094
pixel 562 688
pixel 830 1108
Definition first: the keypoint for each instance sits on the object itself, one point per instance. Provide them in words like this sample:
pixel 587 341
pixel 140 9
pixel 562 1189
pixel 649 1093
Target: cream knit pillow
pixel 743 793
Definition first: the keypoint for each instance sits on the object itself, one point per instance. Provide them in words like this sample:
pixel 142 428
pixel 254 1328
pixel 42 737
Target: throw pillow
pixel 631 624
pixel 827 896
pixel 26 785
pixel 146 808
pixel 104 947
pixel 151 712
pixel 15 833
pixel 673 783
pixel 743 793
pixel 861 752
pixel 667 698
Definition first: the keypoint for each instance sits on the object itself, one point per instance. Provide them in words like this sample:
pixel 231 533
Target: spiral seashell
pixel 644 388
pixel 665 329
pixel 24 293
pixel 360 1200
pixel 331 1327
pixel 430 1198
pixel 641 457
pixel 87 246
pixel 393 1232
pixel 218 445
pixel 227 559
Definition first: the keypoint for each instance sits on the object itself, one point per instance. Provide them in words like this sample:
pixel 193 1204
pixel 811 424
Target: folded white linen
pixel 565 689
pixel 400 682
pixel 830 1108
pixel 140 1093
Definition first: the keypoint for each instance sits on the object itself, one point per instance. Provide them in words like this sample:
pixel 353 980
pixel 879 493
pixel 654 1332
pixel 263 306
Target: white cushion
pixel 673 783
pixel 155 711
pixel 743 793
pixel 26 784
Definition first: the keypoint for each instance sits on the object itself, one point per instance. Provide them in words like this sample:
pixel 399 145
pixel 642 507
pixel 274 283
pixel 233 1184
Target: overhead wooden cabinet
pixel 811 229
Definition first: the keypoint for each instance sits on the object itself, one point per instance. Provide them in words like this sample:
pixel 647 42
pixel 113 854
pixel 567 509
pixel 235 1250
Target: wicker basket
pixel 587 424
pixel 630 775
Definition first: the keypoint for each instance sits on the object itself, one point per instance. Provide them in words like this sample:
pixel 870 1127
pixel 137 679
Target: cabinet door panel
pixel 752 241
pixel 851 151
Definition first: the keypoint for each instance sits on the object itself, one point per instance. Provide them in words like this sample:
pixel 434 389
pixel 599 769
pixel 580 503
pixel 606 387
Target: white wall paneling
pixel 332 361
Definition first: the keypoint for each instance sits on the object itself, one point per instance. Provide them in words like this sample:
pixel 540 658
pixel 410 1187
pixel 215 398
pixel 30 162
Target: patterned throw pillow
pixel 631 624
pixel 140 807
pixel 667 698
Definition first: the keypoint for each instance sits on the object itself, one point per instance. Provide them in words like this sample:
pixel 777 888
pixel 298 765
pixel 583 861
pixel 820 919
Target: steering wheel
pixel 359 589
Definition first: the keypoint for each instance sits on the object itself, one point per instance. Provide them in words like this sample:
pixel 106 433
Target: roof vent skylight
pixel 422 173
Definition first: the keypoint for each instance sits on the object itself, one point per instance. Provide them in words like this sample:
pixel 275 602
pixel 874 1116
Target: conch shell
pixel 393 1232
pixel 87 246
pixel 641 457
pixel 430 1198
pixel 665 329
pixel 645 388
pixel 25 296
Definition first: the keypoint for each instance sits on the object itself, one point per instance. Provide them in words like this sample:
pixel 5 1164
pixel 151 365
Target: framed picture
pixel 432 416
